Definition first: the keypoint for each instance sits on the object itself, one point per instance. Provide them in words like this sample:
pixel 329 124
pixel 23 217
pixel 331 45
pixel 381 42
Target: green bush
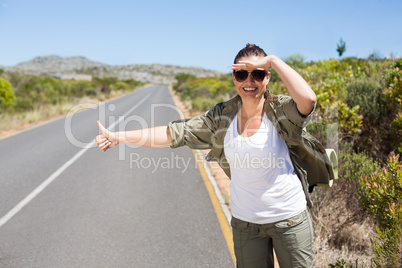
pixel 133 83
pixel 368 95
pixel 204 92
pixel 104 84
pixel 393 95
pixel 393 85
pixel 119 85
pixel 90 92
pixel 381 194
pixel 77 89
pixel 23 104
pixel 397 127
pixel 181 79
pixel 52 96
pixel 350 122
pixel 353 166
pixel 7 95
pixel 221 88
pixel 203 104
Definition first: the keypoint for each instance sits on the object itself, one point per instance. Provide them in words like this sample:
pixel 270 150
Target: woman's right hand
pixel 106 139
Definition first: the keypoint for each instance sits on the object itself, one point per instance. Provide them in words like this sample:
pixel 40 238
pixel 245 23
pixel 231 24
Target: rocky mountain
pixel 81 68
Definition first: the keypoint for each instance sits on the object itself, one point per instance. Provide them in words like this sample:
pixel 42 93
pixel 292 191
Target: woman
pixel 258 140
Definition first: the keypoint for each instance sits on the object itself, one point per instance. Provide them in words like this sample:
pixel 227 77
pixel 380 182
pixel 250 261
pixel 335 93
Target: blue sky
pixel 205 33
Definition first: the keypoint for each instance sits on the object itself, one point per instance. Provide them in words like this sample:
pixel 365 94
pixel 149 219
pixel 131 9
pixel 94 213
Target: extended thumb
pixel 101 127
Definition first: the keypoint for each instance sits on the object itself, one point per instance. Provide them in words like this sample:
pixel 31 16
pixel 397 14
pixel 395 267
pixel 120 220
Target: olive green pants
pixel 292 240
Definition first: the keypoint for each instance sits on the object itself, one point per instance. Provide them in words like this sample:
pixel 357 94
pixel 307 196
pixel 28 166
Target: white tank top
pixel 264 187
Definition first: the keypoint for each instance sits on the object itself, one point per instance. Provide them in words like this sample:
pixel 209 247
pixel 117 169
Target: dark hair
pixel 250 50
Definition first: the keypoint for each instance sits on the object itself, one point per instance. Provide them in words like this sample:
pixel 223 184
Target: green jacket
pixel 309 157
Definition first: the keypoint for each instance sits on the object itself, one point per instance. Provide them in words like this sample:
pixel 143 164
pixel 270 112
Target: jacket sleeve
pixel 292 114
pixel 196 132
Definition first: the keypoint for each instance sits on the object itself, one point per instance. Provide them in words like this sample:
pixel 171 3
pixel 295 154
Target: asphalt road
pixel 127 207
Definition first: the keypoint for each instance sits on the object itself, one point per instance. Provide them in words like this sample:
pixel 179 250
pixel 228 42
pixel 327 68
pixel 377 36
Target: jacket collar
pixel 232 106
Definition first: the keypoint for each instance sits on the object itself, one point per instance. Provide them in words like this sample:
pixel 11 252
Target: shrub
pixel 7 96
pixel 397 126
pixel 91 92
pixel 354 165
pixel 350 122
pixel 182 78
pixel 347 121
pixel 221 87
pixel 381 194
pixel 393 94
pixel 104 84
pixel 50 93
pixel 393 84
pixel 23 104
pixel 78 88
pixel 368 95
pixel 120 86
pixel 133 83
pixel 203 104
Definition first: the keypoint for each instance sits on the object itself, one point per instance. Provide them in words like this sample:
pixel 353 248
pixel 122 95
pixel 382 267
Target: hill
pixel 81 68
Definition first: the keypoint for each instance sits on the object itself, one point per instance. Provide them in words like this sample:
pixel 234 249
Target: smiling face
pixel 250 89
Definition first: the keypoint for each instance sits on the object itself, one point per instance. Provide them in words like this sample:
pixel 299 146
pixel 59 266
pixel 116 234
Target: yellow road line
pixel 227 232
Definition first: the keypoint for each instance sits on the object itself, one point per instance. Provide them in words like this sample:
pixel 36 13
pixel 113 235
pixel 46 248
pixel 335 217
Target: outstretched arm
pixel 300 91
pixel 150 137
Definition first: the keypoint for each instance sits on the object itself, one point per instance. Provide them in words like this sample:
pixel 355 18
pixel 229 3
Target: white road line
pixel 59 171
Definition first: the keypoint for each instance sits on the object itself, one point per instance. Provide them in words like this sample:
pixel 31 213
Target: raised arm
pixel 299 90
pixel 150 137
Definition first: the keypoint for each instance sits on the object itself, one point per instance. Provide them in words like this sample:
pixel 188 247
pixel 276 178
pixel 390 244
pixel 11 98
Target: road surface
pixel 64 203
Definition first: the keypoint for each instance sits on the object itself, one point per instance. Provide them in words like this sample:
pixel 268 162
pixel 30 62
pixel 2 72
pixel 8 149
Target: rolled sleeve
pixel 196 133
pixel 176 129
pixel 292 113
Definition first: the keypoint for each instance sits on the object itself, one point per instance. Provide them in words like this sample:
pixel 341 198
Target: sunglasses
pixel 257 75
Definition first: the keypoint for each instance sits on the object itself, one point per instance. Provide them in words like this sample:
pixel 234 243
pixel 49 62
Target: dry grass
pixel 10 123
pixel 342 229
